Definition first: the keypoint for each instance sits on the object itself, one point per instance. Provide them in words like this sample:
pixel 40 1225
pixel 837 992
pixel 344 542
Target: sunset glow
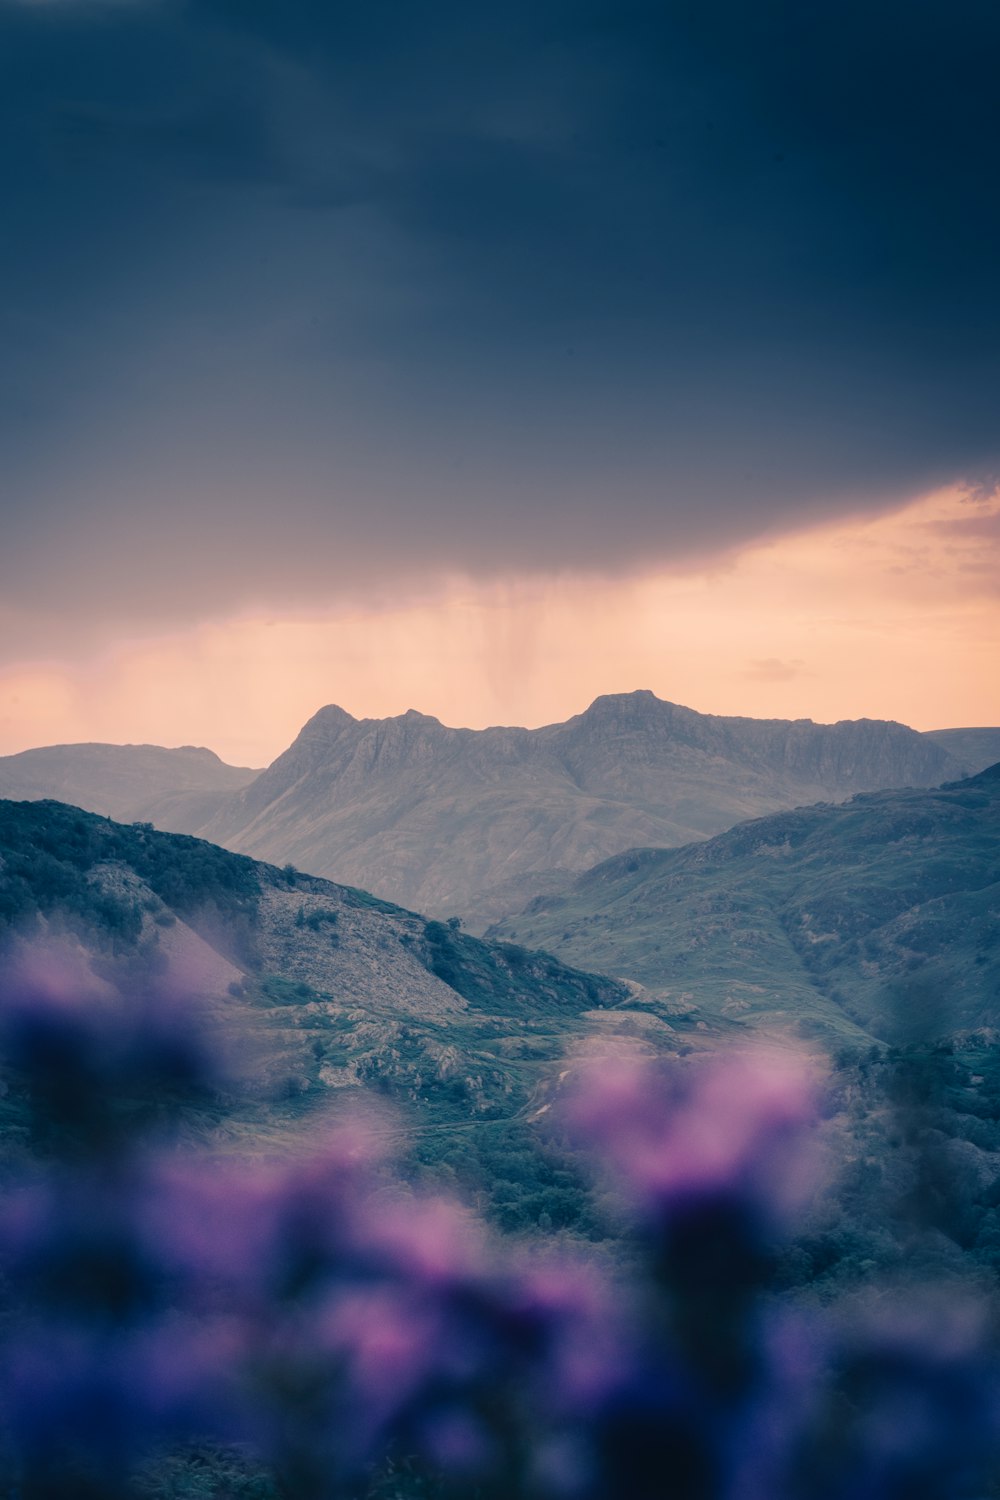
pixel 897 617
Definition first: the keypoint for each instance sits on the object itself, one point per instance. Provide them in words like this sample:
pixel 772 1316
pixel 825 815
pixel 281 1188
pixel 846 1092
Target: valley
pixel 864 932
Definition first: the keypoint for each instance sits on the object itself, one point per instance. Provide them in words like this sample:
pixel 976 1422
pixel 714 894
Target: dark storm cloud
pixel 305 297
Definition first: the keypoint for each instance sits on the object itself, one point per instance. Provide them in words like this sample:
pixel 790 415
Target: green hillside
pixel 820 922
pixel 336 995
pixel 868 917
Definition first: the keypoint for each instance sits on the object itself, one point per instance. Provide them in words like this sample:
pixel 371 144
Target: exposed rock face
pixel 448 820
pixel 176 789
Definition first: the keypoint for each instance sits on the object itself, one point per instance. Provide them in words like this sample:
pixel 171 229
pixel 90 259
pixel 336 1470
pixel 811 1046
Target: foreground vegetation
pixel 178 1323
pixel 114 1097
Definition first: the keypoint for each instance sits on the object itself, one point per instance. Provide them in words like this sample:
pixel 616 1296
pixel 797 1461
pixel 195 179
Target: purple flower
pixel 331 1319
pixel 737 1125
pixel 81 1050
pixel 912 1402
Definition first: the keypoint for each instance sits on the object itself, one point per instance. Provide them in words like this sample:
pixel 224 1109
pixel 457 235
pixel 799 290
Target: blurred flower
pixel 334 1323
pixel 96 1065
pixel 735 1126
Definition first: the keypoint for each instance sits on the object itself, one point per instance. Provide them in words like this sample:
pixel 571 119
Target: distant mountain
pixel 473 821
pixel 175 789
pixel 973 749
pixel 883 914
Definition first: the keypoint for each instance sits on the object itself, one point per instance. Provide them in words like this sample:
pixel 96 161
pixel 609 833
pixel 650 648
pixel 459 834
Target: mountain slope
pixel 451 820
pixel 175 789
pixel 975 749
pixel 345 991
pixel 881 913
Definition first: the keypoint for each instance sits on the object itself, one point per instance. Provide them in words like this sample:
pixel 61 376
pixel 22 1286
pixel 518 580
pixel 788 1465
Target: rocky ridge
pixel 451 820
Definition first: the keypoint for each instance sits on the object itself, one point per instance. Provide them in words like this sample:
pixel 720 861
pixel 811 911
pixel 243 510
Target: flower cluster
pixel 329 1321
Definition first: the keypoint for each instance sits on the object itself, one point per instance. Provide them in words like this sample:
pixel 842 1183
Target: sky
pixel 483 359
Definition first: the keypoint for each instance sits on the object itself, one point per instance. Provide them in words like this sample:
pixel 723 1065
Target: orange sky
pixel 897 617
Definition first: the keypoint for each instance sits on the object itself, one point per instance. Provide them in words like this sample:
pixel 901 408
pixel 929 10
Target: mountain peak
pixel 414 716
pixel 447 820
pixel 637 695
pixel 327 721
pixel 200 752
pixel 641 700
pixel 332 713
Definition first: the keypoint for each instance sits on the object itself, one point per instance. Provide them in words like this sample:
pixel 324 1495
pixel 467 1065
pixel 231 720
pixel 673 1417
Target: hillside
pixel 471 821
pixel 975 749
pixel 331 996
pixel 175 789
pixel 881 913
pixel 341 992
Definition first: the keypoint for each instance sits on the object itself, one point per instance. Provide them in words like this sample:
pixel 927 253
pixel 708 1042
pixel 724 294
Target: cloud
pixel 918 645
pixel 356 298
pixel 773 669
pixel 982 490
pixel 971 528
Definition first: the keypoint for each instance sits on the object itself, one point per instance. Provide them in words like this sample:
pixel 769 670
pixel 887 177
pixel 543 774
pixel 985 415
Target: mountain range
pixel 974 749
pixel 472 822
pixel 175 789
